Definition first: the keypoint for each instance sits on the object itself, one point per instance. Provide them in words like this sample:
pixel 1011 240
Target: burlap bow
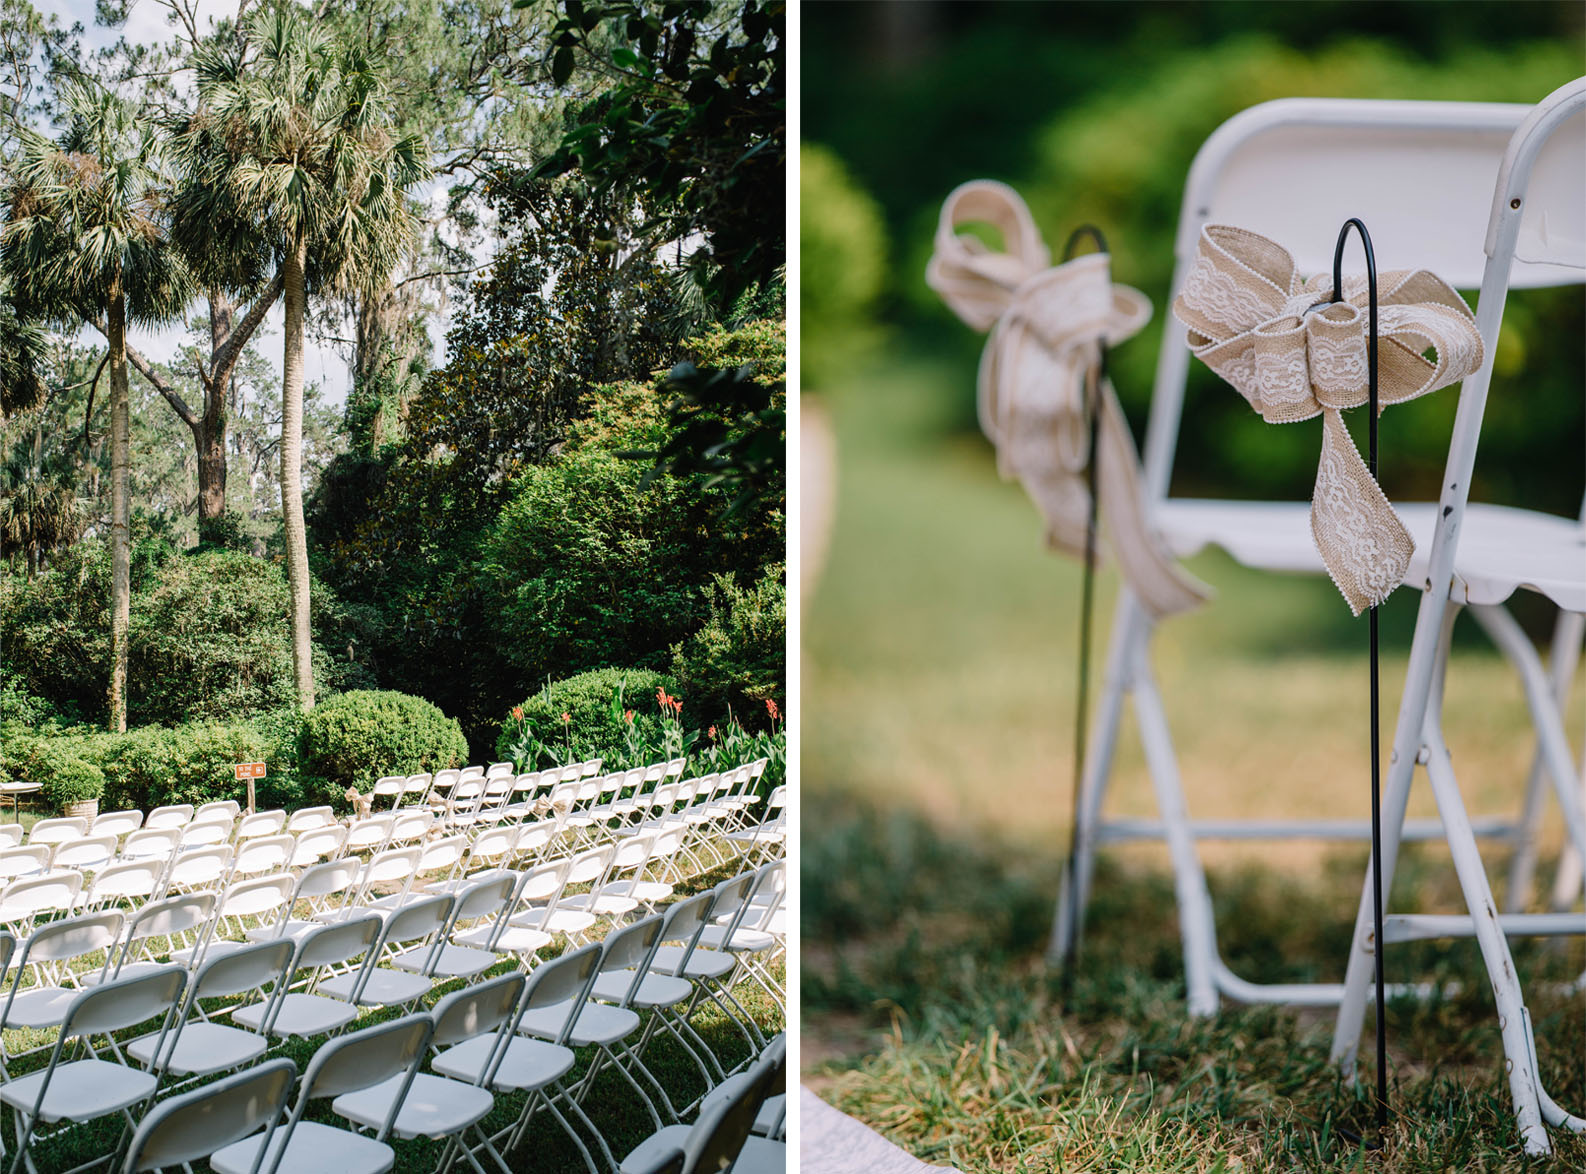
pixel 1293 353
pixel 1045 325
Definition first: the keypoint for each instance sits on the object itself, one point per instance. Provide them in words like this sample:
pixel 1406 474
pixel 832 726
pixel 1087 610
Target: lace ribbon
pixel 1045 326
pixel 1293 354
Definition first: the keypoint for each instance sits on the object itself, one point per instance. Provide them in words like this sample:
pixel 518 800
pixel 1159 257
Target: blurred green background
pixel 939 643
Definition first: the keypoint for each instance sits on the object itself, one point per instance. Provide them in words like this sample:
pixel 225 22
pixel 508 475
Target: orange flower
pixel 567 717
pixel 627 716
pixel 712 733
pixel 517 713
pixel 770 707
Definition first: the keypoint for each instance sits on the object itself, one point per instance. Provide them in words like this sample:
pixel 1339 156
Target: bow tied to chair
pixel 1047 325
pixel 1294 353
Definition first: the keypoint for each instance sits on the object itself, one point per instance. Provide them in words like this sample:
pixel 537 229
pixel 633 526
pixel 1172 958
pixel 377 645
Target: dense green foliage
pixel 61 768
pixel 600 714
pixel 842 266
pixel 734 663
pixel 356 737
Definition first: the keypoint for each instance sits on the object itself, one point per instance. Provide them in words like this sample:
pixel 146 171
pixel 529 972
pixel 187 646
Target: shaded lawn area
pixel 938 685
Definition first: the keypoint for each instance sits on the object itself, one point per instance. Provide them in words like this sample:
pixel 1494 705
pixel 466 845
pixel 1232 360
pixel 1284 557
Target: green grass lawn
pixel 938 684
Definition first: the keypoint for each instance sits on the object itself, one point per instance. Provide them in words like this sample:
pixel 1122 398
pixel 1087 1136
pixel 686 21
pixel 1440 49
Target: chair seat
pixel 561 920
pixel 771 1113
pixel 300 1015
pixel 514 939
pixel 293 928
pixel 596 1023
pixel 1501 549
pixel 433 1107
pixel 701 963
pixel 750 941
pixel 130 970
pixel 217 948
pixel 43 1006
pixel 203 1048
pixel 450 962
pixel 313 1149
pixel 657 990
pixel 603 903
pixel 80 1091
pixel 528 1063
pixel 386 987
pixel 645 892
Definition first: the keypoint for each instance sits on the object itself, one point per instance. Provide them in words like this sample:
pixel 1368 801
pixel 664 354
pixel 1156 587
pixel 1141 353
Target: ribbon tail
pixel 1363 544
pixel 1162 586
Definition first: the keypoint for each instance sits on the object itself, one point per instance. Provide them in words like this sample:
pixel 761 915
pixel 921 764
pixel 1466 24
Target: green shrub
pixel 67 779
pixel 354 738
pixel 194 763
pixel 611 714
pixel 737 661
pixel 843 265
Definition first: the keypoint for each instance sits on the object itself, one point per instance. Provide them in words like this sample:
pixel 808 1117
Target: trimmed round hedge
pixel 596 704
pixel 354 738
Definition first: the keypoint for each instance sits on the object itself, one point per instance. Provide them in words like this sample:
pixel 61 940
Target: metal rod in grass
pixel 1376 758
pixel 1092 401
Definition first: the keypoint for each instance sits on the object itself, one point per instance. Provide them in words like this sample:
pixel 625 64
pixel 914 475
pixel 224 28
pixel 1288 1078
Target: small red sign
pixel 250 770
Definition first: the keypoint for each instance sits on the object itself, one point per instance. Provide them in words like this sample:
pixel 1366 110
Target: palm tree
pixel 290 156
pixel 22 346
pixel 86 237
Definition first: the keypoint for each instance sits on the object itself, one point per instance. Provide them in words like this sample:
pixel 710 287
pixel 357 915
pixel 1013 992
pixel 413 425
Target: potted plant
pixel 72 785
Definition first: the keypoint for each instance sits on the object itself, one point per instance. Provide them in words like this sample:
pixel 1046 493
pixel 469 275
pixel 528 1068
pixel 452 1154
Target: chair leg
pixel 1513 1021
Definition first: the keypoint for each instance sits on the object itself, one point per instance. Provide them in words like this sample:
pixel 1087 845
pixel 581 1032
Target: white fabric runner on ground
pixel 831 1142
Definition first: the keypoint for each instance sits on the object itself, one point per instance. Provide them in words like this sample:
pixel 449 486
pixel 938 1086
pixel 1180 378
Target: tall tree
pixel 292 154
pixel 87 237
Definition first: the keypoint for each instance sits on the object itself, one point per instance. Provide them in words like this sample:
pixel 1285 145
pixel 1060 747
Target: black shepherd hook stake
pixel 1092 405
pixel 1376 765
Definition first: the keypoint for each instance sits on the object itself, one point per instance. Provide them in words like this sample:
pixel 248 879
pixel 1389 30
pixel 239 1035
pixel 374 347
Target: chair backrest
pixel 308 818
pixel 49 892
pixel 189 914
pixel 685 920
pixel 129 880
pixel 220 806
pixel 114 1006
pixel 258 896
pixel 151 843
pixel 337 942
pixel 566 979
pixel 327 879
pixel 173 815
pixel 499 768
pixel 476 1010
pixel 116 823
pixel 1419 174
pixel 11 834
pixel 261 823
pixel 214 828
pixel 589 865
pixel 184 1128
pixel 314 844
pixel 265 854
pixel 487 897
pixel 631 948
pixel 65 940
pixel 53 831
pixel 372 832
pixel 201 866
pixel 389 785
pixel 87 852
pixel 246 968
pixel 368 1057
pixel 28 860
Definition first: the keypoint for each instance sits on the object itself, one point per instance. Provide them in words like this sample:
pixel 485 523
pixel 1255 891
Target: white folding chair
pixel 513 1063
pixel 228 807
pixel 260 824
pixel 305 1012
pixel 322 888
pixel 1537 218
pixel 27 860
pixel 318 843
pixel 260 854
pixel 605 1026
pixel 266 900
pixel 479 907
pixel 151 844
pixel 200 868
pixel 50 952
pixel 184 919
pixel 86 854
pixel 1419 174
pixel 181 1129
pixel 23 902
pixel 307 819
pixel 440 1106
pixel 198 1046
pixel 127 880
pixel 343 1065
pixel 82 1090
pixel 410 931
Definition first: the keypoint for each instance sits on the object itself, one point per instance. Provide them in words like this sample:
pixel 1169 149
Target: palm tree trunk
pixel 292 473
pixel 120 510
